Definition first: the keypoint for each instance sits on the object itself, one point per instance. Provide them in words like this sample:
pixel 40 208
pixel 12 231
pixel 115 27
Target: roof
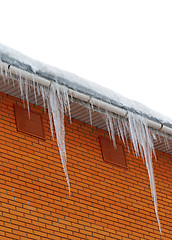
pixel 91 91
pixel 74 82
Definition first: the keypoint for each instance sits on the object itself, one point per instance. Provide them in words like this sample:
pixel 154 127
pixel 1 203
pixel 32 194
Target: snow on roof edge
pixel 16 59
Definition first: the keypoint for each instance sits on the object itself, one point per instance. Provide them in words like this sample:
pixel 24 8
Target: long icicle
pixel 141 139
pixel 110 127
pixel 57 109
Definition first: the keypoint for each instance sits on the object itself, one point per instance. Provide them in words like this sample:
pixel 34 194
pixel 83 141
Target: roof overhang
pixel 82 99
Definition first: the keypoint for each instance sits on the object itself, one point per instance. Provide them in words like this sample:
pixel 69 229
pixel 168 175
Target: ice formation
pixel 143 144
pixel 77 83
pixel 142 140
pixel 57 102
pixel 56 99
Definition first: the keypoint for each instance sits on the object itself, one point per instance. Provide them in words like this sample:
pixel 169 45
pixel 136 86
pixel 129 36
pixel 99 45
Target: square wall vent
pixel 32 126
pixel 111 154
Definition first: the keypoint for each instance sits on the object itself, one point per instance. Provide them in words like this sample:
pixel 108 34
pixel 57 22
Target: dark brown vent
pixel 32 125
pixel 113 155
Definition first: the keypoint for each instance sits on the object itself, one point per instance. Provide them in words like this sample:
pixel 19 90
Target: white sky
pixel 123 45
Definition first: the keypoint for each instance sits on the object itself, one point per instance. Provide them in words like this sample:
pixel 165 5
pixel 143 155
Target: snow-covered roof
pixel 72 81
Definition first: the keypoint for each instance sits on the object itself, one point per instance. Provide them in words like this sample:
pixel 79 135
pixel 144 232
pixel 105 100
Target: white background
pixel 122 45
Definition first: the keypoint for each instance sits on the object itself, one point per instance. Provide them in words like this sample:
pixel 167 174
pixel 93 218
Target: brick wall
pixel 107 202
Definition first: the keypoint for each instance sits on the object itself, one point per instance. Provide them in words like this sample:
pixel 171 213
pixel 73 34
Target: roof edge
pixel 83 95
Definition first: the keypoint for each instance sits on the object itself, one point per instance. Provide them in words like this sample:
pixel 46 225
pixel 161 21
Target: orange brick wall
pixel 107 202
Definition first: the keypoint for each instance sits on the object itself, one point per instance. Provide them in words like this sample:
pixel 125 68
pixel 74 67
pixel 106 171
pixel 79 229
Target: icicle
pixel 1 70
pixel 57 109
pixel 121 130
pixel 21 87
pixel 142 141
pixel 6 73
pixel 110 127
pixel 66 102
pixel 43 96
pixel 9 69
pixel 38 90
pixel 13 82
pixel 47 95
pixel 90 109
pixel 90 115
pixel 34 88
pixel 71 96
pixel 2 73
pixel 27 97
pixel 92 103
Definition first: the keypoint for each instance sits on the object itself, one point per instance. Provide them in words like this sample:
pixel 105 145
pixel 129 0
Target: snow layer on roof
pixel 79 84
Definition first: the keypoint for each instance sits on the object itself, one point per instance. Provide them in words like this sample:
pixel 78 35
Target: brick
pixel 106 202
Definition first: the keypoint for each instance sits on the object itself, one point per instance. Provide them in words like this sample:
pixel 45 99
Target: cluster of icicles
pixel 56 100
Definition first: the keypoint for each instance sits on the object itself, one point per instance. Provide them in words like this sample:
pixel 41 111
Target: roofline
pixel 82 93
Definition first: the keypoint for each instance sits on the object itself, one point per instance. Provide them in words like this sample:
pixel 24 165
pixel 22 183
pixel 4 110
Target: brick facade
pixel 106 202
